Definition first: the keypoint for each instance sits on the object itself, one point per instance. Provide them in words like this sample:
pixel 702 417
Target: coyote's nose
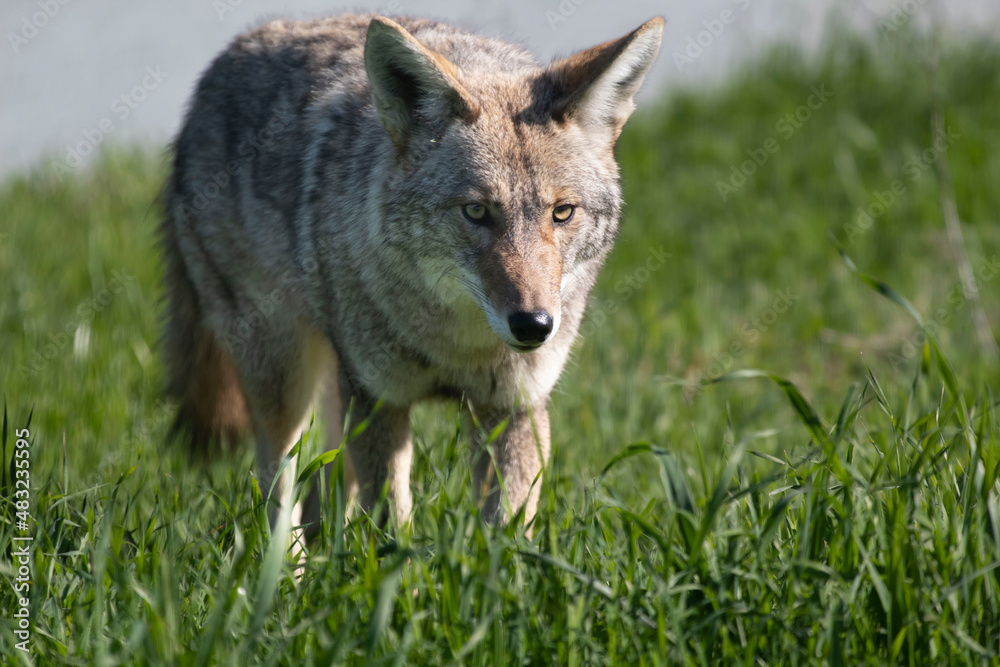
pixel 530 328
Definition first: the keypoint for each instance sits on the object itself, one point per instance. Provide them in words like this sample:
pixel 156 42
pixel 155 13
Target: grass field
pixel 844 511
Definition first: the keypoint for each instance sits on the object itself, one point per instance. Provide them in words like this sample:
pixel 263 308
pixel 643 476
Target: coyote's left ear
pixel 595 87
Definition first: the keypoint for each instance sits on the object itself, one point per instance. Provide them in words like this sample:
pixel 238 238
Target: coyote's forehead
pixel 511 156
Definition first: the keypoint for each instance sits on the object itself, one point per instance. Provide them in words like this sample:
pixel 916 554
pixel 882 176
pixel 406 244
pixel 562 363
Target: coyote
pixel 372 213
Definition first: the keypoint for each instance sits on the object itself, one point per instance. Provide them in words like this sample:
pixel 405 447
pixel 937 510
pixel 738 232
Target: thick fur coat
pixel 382 211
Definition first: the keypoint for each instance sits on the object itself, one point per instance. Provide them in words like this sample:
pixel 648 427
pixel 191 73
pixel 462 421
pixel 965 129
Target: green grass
pixel 850 518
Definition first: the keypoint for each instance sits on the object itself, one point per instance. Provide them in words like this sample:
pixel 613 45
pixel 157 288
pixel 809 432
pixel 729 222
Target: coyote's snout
pixel 422 210
pixel 521 272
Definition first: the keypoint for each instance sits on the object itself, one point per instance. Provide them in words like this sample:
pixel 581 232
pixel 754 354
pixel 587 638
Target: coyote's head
pixel 505 180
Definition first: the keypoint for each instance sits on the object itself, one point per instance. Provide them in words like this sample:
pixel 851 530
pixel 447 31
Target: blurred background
pixel 67 63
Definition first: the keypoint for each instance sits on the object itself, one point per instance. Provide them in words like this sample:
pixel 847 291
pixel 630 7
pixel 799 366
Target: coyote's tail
pixel 201 376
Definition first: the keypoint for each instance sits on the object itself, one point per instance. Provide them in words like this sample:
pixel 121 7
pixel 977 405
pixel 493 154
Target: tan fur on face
pixel 521 271
pixel 519 254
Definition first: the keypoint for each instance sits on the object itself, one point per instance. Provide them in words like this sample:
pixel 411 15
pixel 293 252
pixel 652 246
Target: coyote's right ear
pixel 411 84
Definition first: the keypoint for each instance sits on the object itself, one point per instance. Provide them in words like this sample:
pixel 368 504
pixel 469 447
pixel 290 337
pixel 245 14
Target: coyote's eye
pixel 563 214
pixel 476 214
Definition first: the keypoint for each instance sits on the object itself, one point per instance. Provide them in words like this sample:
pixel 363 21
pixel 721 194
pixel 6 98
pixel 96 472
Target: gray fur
pixel 314 234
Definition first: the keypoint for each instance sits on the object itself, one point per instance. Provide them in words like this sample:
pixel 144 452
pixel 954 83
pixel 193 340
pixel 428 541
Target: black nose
pixel 531 328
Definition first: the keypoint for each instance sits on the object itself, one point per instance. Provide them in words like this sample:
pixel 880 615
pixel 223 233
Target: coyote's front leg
pixel 381 453
pixel 518 455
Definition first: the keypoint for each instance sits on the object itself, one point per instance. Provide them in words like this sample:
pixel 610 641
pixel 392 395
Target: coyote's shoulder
pixel 399 208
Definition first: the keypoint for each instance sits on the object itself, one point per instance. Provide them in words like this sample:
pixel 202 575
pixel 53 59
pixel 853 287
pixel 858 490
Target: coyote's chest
pixel 406 369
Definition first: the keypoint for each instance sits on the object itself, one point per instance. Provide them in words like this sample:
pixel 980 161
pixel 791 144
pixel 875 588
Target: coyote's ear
pixel 411 84
pixel 595 87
